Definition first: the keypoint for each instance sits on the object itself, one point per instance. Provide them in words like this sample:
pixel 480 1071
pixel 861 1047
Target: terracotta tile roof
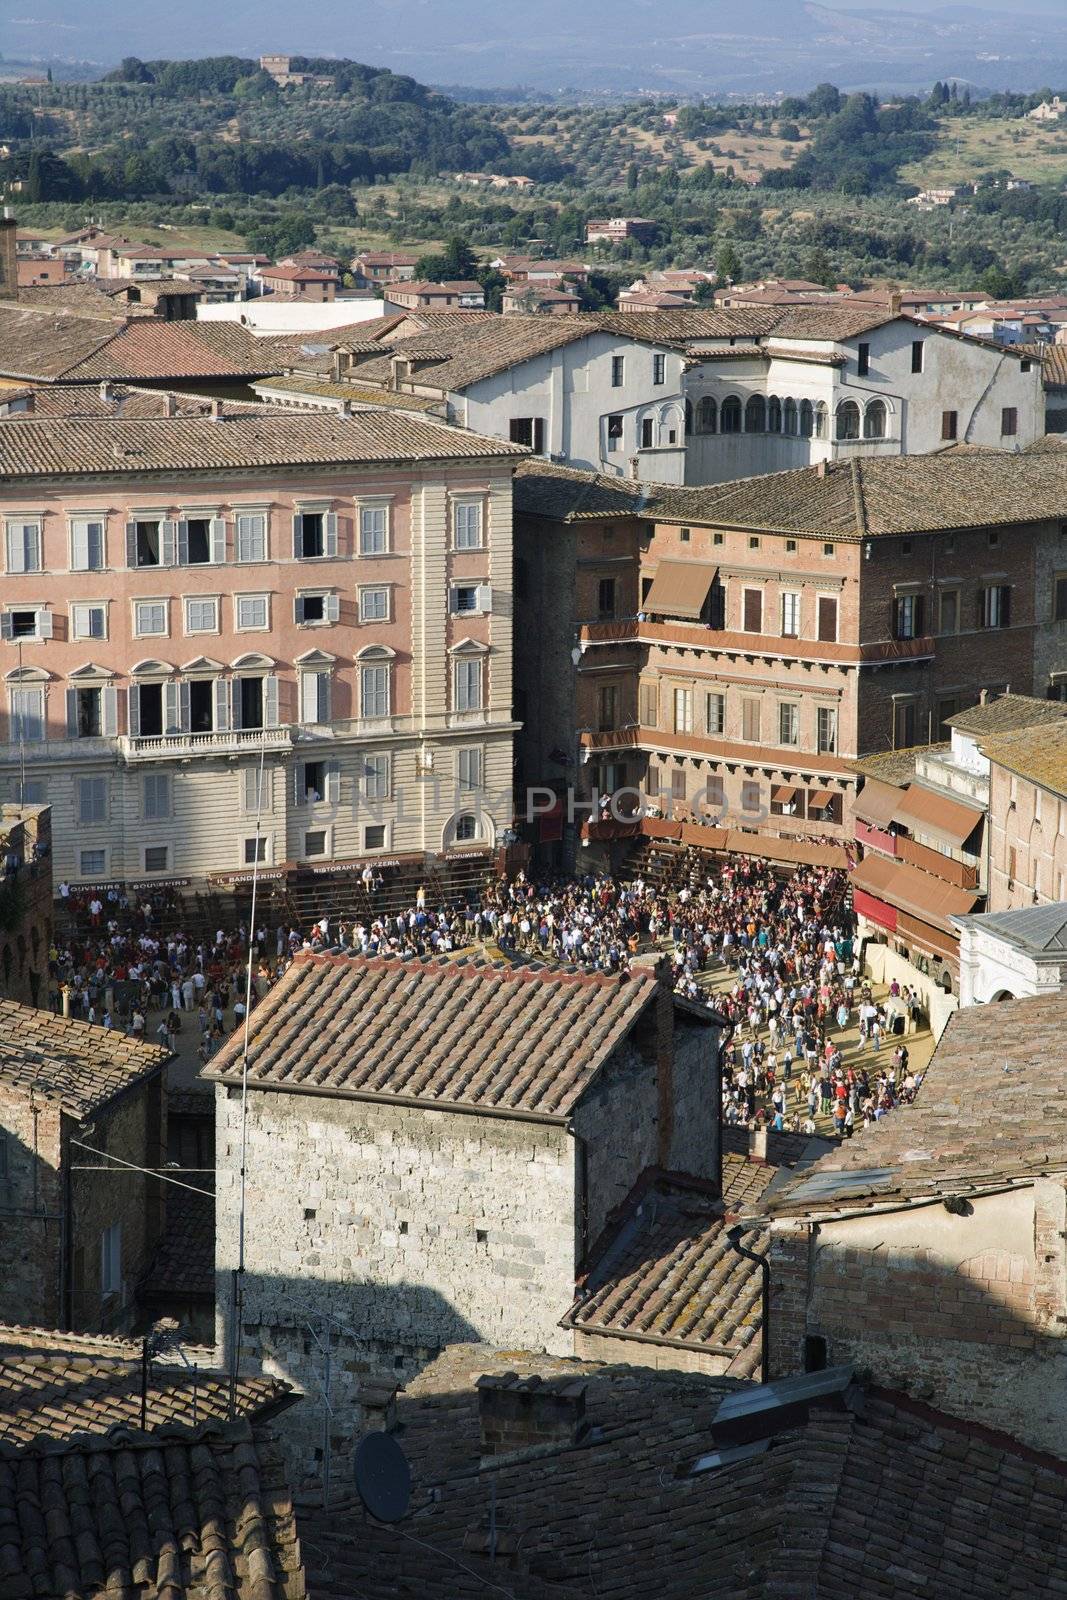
pixel 1007 713
pixel 298 274
pixel 63 1393
pixel 49 345
pixel 181 1515
pixel 184 1263
pixel 122 400
pixel 991 1110
pixel 96 298
pixel 510 1039
pixel 326 389
pixel 872 1494
pixel 568 494
pixel 1038 754
pixel 75 1064
pixel 896 494
pixel 269 437
pixel 147 348
pixel 683 325
pixel 896 766
pixel 1053 358
pixel 910 889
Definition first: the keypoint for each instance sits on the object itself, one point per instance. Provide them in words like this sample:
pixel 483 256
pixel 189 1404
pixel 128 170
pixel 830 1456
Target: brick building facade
pixel 753 638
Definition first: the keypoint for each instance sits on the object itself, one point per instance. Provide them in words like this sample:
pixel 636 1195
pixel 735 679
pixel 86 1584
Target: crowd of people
pixel 775 957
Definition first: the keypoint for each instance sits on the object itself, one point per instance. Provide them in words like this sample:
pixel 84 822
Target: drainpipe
pixel 733 1239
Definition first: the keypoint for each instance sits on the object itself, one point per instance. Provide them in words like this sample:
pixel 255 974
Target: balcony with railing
pixel 236 741
pixel 699 636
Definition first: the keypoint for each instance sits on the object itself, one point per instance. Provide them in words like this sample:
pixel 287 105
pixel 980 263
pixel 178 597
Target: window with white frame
pixel 373 530
pixel 826 730
pixel 255 790
pixel 375 836
pixel 150 618
pixel 201 541
pixel 111 1261
pixel 467 683
pixel 92 711
pixel 87 544
pixel 374 689
pixel 316 842
pixel 88 621
pixel 23 546
pixel 467 524
pixel 250 536
pixel 788 722
pixel 92 799
pixel 469 767
pixel 92 863
pixel 316 608
pixel 27 715
pixel 151 542
pixel 374 605
pixel 257 848
pixel 156 796
pixel 715 711
pixel 377 777
pixel 157 857
pixel 26 622
pixel 314 535
pixel 201 613
pixel 790 616
pixel 252 613
pixel 683 711
pixel 315 696
pixel 472 598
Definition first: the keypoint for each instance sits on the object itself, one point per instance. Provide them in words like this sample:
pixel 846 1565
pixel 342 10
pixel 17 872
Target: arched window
pixel 848 420
pixel 820 420
pixel 707 415
pixel 688 418
pixel 874 420
pixel 730 417
pixel 756 414
pixel 789 417
pixel 774 415
pixel 807 419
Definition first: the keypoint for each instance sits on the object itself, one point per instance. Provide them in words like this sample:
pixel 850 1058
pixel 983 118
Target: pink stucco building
pixel 185 598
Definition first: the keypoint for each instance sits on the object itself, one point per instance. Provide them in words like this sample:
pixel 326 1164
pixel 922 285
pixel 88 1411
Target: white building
pixel 580 389
pixel 1008 955
pixel 776 389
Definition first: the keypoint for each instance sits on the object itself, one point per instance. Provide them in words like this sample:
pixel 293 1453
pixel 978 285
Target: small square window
pixel 683 534
pixel 718 538
pixel 202 616
pixel 253 613
pixel 753 541
pixel 315 842
pixel 374 605
pixel 827 549
pixel 465 598
pixel 150 618
pixel 374 836
pixel 89 622
pixel 994 538
pixel 791 547
pixel 256 849
pixel 92 863
pixel 156 857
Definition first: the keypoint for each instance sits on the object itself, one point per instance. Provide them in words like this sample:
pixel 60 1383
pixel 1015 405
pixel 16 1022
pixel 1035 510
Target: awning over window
pixel 819 799
pixel 783 794
pixel 680 589
pixel 939 816
pixel 908 888
pixel 878 803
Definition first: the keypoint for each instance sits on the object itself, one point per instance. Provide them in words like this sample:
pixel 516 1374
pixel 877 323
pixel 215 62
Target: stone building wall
pixel 31 1201
pixel 965 1308
pixel 412 1228
pixel 25 903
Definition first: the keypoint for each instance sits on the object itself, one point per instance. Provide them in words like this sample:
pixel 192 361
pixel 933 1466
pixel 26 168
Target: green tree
pixel 728 264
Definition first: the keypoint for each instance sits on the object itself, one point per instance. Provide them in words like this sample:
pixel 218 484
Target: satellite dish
pixel 383 1477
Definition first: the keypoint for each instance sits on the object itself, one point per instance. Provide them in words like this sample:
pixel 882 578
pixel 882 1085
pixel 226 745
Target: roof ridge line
pixel 858 496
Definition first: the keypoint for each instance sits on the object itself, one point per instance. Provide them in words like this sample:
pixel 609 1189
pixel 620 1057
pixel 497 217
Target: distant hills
pixel 679 46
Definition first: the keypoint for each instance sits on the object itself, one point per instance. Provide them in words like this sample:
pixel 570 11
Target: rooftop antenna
pixel 383 1477
pixel 237 1293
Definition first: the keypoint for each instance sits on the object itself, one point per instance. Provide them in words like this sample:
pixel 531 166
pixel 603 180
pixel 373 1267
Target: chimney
pixel 377 1400
pixel 216 410
pixel 524 1416
pixel 664 1048
pixel 757 1143
pixel 820 469
pixel 9 270
pixel 983 697
pixel 105 391
pixel 170 405
pixel 895 303
pixel 635 468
